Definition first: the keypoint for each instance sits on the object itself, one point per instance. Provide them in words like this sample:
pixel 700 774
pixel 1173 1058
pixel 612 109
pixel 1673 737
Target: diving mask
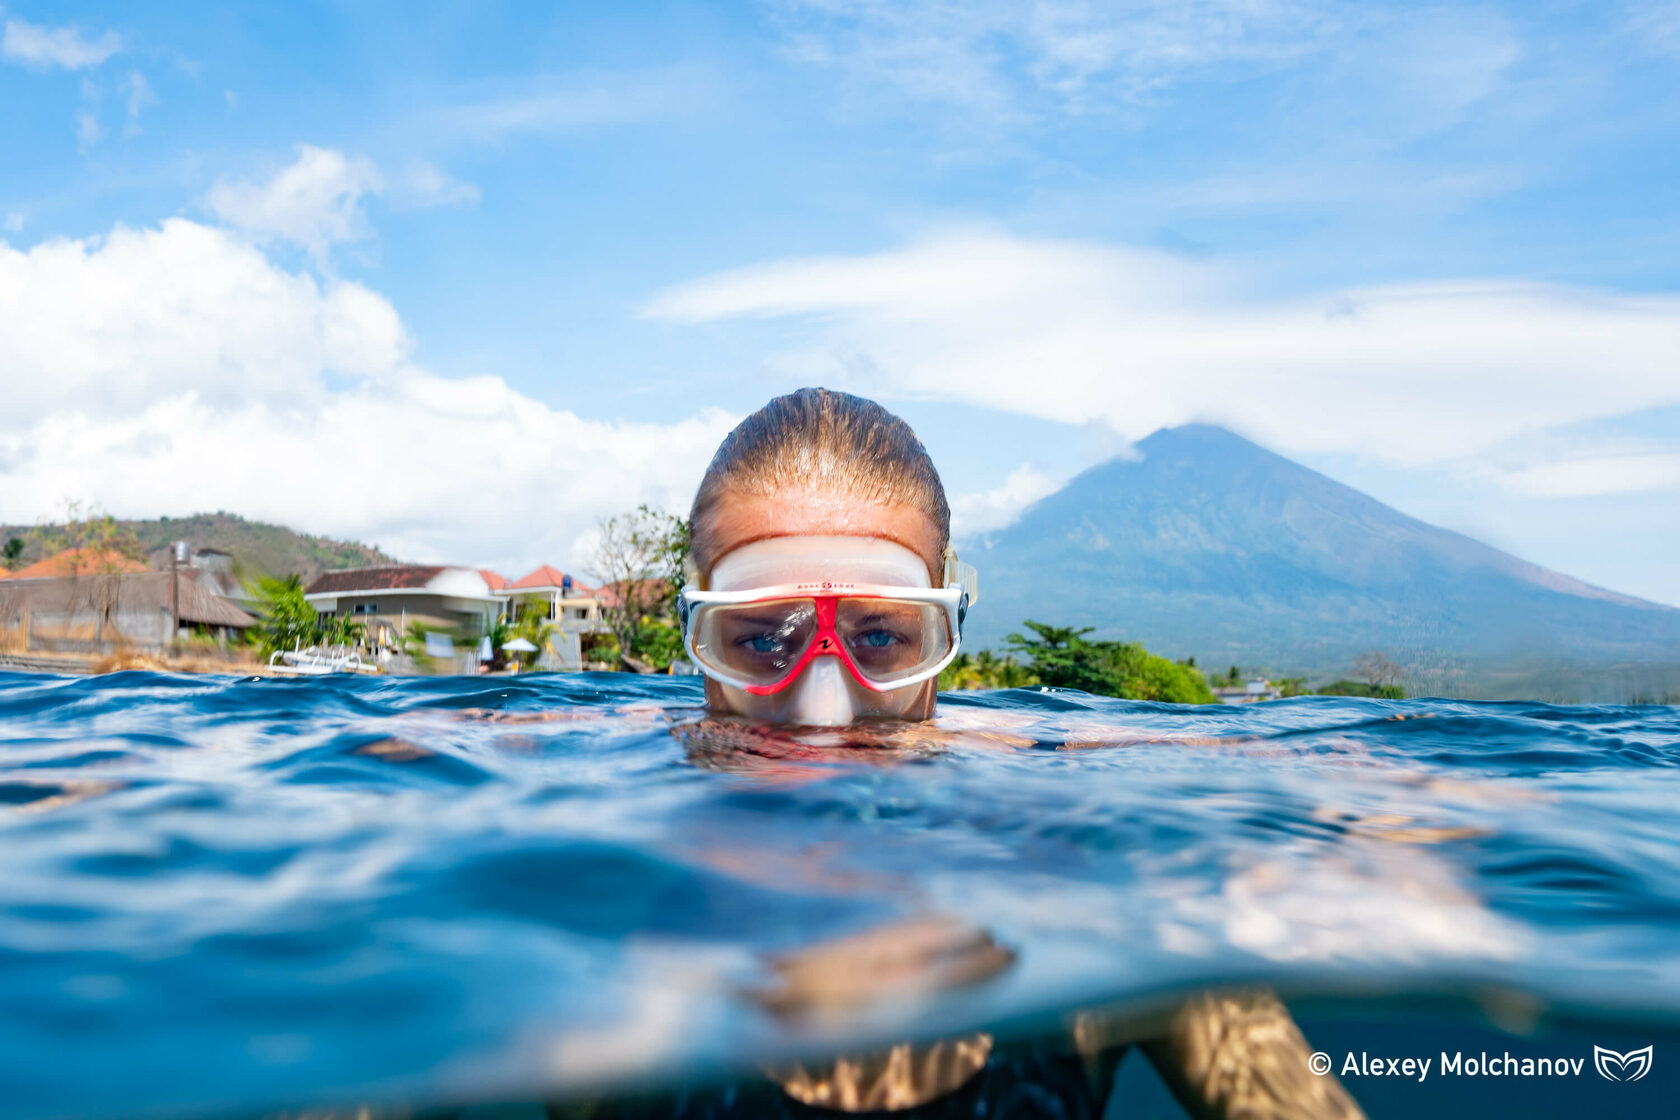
pixel 777 605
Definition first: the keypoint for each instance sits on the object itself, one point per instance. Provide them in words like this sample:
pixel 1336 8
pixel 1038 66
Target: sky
pixel 461 279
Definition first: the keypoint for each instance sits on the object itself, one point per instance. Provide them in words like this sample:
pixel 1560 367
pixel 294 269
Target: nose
pixel 821 697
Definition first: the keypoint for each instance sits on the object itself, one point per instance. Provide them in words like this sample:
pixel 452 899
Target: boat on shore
pixel 319 661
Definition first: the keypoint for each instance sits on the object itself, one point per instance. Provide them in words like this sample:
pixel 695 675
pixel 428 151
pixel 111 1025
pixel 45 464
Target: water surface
pixel 232 896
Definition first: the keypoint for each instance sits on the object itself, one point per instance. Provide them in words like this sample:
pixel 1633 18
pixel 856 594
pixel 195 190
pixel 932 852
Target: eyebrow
pixel 880 616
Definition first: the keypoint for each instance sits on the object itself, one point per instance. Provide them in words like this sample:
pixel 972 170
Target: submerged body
pixel 244 897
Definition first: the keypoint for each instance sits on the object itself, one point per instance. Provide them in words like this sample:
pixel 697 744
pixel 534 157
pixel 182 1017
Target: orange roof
pixel 78 561
pixel 496 580
pixel 545 576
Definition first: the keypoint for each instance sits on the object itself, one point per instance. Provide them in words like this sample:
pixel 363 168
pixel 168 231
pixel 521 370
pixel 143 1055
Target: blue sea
pixel 242 897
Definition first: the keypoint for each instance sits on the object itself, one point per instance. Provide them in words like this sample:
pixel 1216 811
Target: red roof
pixel 545 576
pixel 496 580
pixel 350 580
pixel 78 561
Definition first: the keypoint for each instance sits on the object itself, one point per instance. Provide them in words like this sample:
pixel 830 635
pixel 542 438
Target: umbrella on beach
pixel 518 645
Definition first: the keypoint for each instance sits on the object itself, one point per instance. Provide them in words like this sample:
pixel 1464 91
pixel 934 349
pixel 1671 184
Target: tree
pixel 91 537
pixel 1059 656
pixel 1360 688
pixel 14 553
pixel 287 619
pixel 1376 670
pixel 985 670
pixel 534 628
pixel 639 562
pixel 1062 657
pixel 500 633
pixel 95 550
pixel 341 630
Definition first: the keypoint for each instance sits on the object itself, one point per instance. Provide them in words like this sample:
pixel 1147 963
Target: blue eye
pixel 876 639
pixel 763 643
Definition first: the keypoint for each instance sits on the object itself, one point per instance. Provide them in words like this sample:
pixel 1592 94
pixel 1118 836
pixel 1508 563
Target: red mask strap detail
pixel 826 643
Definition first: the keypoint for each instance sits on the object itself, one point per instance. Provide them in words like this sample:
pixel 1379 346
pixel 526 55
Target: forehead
pixel 737 519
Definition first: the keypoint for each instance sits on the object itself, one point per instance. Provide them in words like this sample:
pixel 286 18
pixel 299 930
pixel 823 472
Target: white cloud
pixel 1003 56
pixel 1139 339
pixel 981 512
pixel 139 96
pixel 1653 25
pixel 176 369
pixel 88 131
pixel 581 102
pixel 1597 476
pixel 424 184
pixel 1343 86
pixel 315 202
pixel 66 47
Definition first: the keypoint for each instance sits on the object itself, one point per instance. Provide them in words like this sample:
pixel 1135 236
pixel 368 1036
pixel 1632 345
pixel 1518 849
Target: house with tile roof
pixel 562 598
pixel 462 602
pixel 573 608
pixel 390 599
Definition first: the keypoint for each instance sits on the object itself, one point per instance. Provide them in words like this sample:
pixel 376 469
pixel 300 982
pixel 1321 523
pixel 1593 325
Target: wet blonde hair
pixel 819 438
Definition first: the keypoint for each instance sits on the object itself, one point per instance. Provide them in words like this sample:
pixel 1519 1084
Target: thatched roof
pixel 122 592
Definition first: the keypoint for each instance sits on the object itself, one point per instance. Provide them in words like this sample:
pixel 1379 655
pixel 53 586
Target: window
pixel 367 608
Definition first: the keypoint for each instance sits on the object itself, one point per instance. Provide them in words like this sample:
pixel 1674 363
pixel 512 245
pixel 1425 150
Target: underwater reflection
pixel 1222 1054
pixel 791 754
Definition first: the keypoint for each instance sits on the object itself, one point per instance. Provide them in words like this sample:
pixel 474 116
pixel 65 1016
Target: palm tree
pixel 535 628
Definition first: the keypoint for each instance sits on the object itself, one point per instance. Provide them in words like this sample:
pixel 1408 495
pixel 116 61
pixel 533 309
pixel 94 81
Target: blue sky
pixel 461 278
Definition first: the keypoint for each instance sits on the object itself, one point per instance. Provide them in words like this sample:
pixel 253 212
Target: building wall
pixel 435 612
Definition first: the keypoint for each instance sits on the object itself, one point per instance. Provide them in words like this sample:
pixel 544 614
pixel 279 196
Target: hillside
pixel 255 545
pixel 1210 546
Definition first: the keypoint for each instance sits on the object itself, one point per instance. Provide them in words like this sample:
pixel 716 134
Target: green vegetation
pixel 641 562
pixel 286 619
pixel 14 554
pixel 257 548
pixel 1231 678
pixel 101 542
pixel 1062 657
pixel 1380 679
pixel 1362 688
pixel 985 670
pixel 532 625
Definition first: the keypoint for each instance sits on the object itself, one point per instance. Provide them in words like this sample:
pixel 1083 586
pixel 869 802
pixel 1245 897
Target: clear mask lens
pixel 886 640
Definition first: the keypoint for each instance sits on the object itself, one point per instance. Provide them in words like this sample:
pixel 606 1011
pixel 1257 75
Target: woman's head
pixel 820 485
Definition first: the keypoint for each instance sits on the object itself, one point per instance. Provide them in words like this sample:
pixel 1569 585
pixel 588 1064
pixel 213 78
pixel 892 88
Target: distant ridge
pixel 255 545
pixel 1208 545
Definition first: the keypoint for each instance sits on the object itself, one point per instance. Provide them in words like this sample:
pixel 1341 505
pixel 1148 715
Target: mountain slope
pixel 256 545
pixel 1207 545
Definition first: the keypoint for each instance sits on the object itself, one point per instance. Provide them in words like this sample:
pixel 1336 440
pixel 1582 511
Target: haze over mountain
pixel 1210 546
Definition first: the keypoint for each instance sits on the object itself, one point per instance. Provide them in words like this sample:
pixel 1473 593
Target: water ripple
pixel 228 894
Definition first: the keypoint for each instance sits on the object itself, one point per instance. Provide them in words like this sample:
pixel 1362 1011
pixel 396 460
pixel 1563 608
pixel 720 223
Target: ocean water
pixel 240 897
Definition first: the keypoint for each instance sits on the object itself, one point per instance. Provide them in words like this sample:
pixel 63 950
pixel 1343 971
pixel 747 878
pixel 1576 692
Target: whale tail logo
pixel 1622 1067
